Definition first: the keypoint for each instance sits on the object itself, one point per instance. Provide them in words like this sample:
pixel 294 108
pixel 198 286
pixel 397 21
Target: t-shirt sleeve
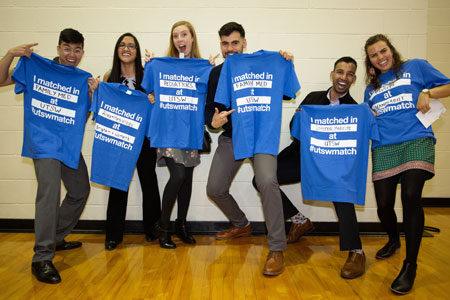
pixel 367 96
pixel 147 82
pixel 432 77
pixel 19 76
pixel 206 68
pixel 296 125
pixel 291 85
pixel 374 134
pixel 223 92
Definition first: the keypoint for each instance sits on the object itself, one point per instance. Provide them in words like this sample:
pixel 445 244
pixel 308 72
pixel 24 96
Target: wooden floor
pixel 221 269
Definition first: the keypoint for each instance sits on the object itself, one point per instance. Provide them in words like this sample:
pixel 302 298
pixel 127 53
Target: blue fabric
pixel 254 85
pixel 395 102
pixel 122 117
pixel 180 86
pixel 334 147
pixel 56 103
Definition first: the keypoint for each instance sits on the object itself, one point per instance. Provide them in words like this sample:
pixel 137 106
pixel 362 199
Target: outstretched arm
pixel 5 62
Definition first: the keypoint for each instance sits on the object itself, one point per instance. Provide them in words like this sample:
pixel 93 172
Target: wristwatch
pixel 426 91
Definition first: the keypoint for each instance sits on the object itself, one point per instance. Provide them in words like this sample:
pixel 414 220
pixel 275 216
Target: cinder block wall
pixel 316 32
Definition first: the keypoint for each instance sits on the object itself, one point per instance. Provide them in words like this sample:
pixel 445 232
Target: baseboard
pixel 211 227
pixel 436 202
pixel 196 227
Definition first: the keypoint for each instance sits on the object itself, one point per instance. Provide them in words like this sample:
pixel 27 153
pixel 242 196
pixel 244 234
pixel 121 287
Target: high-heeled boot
pixel 182 232
pixel 152 234
pixel 164 237
pixel 405 280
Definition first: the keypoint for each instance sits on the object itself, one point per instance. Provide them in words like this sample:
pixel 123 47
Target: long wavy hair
pixel 172 51
pixel 116 72
pixel 372 73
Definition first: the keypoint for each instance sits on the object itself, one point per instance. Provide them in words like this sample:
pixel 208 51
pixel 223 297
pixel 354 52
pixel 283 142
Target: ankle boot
pixel 405 280
pixel 164 237
pixel 389 249
pixel 182 233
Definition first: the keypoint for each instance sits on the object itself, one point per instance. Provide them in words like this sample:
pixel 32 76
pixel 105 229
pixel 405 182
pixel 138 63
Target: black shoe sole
pixel 166 246
pixel 386 257
pixel 150 238
pixel 189 242
pixel 400 292
pixel 44 280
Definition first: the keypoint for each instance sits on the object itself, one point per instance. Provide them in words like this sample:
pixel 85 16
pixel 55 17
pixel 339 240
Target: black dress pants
pixel 151 203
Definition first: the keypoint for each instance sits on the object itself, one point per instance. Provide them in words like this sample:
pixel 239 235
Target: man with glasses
pixel 53 222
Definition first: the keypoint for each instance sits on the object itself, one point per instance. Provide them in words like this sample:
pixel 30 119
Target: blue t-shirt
pixel 180 86
pixel 56 103
pixel 254 85
pixel 395 102
pixel 334 147
pixel 121 116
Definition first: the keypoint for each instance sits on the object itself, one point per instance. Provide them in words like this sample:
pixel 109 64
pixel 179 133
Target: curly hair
pixel 372 73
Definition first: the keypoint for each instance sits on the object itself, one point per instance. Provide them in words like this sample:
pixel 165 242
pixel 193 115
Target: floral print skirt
pixel 188 158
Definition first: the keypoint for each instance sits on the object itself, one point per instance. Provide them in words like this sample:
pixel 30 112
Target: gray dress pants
pixel 54 220
pixel 223 169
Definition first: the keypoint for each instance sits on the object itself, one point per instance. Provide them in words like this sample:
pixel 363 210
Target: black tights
pixel 179 184
pixel 412 182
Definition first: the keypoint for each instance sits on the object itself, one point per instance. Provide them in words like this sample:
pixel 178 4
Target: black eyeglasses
pixel 129 46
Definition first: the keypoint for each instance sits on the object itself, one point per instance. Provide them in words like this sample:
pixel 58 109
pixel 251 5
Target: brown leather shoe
pixel 274 263
pixel 234 232
pixel 297 230
pixel 354 266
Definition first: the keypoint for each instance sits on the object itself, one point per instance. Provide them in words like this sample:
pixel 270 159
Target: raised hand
pixel 220 118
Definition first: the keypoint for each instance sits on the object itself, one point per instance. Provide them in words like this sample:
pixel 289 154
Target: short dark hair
pixel 71 36
pixel 230 27
pixel 346 59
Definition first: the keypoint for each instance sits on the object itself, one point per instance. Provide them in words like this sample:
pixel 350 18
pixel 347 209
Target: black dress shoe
pixel 405 280
pixel 166 242
pixel 68 246
pixel 388 250
pixel 164 238
pixel 151 237
pixel 111 245
pixel 182 233
pixel 45 271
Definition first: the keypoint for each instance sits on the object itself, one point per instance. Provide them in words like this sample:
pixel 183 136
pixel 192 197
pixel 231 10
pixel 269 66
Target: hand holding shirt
pixel 122 117
pixel 254 85
pixel 56 103
pixel 180 87
pixel 334 143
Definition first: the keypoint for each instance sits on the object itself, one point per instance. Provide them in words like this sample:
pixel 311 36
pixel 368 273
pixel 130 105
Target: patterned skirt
pixel 188 158
pixel 390 160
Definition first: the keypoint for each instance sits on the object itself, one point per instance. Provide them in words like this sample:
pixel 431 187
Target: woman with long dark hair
pixel 127 69
pixel 396 90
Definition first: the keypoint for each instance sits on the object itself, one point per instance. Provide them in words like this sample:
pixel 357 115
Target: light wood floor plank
pixel 221 270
